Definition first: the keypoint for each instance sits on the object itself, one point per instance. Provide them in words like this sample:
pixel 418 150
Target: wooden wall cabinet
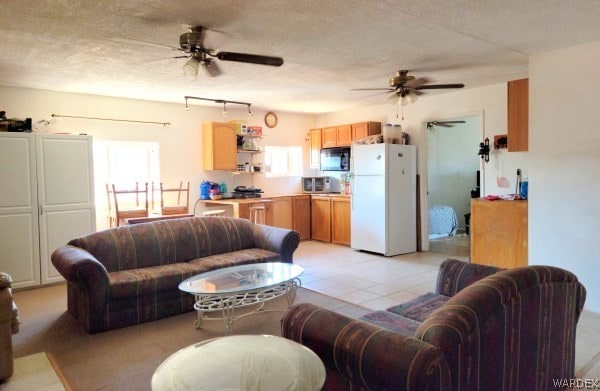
pixel 315 148
pixel 498 232
pixel 301 216
pixel 336 136
pixel 518 115
pixel 219 147
pixel 340 220
pixel 364 129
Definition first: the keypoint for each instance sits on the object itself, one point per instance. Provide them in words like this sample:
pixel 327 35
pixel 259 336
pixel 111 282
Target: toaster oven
pixel 320 184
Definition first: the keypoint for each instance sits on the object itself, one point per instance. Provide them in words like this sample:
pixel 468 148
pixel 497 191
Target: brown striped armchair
pixel 129 275
pixel 483 329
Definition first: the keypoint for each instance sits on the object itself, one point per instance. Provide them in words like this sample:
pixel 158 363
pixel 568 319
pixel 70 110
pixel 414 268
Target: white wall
pixel 180 143
pixel 564 153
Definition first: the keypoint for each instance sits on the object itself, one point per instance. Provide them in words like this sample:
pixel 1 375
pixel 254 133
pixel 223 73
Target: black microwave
pixel 335 159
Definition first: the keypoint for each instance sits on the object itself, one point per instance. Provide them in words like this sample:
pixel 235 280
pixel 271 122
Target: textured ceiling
pixel 124 48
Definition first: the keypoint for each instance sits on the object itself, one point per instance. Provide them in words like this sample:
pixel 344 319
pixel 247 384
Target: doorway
pixel 452 174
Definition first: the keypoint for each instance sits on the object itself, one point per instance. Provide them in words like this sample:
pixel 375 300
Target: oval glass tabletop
pixel 241 278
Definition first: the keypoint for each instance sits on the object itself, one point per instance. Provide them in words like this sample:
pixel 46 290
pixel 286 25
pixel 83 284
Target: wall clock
pixel 271 119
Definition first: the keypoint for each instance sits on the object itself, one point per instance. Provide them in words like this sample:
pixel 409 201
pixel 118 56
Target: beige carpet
pixel 125 359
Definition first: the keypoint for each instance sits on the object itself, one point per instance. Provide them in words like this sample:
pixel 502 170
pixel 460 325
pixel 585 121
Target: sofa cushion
pixel 390 321
pixel 166 242
pixel 148 280
pixel 251 255
pixel 420 308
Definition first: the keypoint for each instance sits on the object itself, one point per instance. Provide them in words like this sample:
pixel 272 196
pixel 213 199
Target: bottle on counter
pixel 205 190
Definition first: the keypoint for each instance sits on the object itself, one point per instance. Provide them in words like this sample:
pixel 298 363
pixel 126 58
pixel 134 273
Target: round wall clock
pixel 271 119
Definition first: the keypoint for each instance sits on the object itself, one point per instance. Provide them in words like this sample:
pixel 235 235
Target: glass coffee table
pixel 235 287
pixel 241 362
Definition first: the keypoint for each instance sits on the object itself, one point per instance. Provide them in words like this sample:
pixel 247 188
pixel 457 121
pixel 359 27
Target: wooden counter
pixel 241 206
pixel 499 232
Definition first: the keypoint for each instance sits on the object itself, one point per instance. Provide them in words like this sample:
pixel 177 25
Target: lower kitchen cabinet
pixel 282 212
pixel 320 218
pixel 330 219
pixel 301 216
pixel 340 220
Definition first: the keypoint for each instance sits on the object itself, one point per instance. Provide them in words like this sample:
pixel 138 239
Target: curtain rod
pixel 111 119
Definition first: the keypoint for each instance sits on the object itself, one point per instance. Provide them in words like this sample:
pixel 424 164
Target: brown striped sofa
pixel 129 275
pixel 483 329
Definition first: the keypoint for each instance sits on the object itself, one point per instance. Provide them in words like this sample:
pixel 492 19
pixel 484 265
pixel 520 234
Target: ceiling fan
pixel 406 89
pixel 200 45
pixel 445 124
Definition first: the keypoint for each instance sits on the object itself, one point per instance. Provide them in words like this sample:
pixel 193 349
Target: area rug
pixel 125 359
pixel 34 372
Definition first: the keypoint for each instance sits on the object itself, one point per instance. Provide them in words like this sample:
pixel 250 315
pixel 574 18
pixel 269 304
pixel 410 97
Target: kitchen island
pixel 241 206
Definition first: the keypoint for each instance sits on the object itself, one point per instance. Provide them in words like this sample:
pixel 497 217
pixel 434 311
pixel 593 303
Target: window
pixel 283 161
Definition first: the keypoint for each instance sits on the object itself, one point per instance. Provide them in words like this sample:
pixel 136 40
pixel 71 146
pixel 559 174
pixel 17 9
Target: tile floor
pixel 378 282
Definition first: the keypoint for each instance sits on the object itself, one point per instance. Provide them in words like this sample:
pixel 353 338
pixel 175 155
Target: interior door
pixel 66 194
pixel 19 252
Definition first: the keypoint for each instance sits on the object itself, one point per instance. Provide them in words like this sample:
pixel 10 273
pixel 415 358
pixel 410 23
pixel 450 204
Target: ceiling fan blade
pixel 414 83
pixel 373 89
pixel 211 68
pixel 439 86
pixel 250 58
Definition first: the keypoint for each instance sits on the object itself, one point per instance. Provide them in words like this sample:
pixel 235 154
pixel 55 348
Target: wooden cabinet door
pixel 320 218
pixel 282 212
pixel 301 216
pixel 329 137
pixel 340 220
pixel 219 149
pixel 315 148
pixel 518 115
pixel 344 135
pixel 364 129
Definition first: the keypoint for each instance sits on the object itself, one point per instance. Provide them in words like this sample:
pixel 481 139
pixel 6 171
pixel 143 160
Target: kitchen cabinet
pixel 340 220
pixel 330 219
pixel 46 199
pixel 315 147
pixel 301 215
pixel 336 136
pixel 320 218
pixel 219 146
pixel 364 129
pixel 498 231
pixel 518 115
pixel 282 212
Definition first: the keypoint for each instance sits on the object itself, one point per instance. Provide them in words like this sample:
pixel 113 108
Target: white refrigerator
pixel 384 212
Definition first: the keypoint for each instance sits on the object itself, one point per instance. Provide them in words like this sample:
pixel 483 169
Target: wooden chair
pixel 179 207
pixel 257 214
pixel 128 208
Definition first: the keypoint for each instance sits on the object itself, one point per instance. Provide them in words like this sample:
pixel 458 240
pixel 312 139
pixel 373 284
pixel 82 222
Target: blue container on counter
pixel 205 190
pixel 524 188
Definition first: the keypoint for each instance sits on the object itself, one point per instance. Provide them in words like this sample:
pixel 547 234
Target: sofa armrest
pixel 6 319
pixel 80 267
pixel 359 355
pixel 455 275
pixel 280 240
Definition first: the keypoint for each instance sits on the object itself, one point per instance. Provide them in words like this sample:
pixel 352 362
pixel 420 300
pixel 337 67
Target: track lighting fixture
pixel 225 102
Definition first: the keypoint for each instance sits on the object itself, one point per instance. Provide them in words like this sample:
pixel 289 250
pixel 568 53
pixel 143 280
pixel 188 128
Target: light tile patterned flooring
pixel 377 282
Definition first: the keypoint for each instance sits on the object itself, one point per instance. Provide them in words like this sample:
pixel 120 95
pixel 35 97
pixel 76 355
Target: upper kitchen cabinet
pixel 518 115
pixel 219 146
pixel 336 136
pixel 364 129
pixel 315 146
